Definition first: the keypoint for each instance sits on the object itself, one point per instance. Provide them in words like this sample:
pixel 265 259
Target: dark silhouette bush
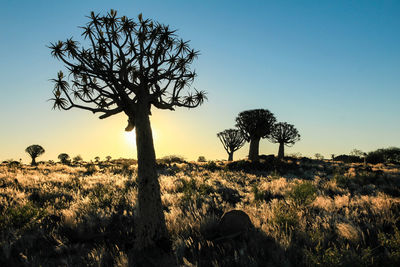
pixel 384 155
pixel 171 159
pixel 348 159
pixel 211 166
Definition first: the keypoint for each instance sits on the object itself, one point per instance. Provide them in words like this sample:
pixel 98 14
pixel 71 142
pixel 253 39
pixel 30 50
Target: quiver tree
pixel 64 158
pixel 129 66
pixel 232 140
pixel 254 125
pixel 284 134
pixel 34 151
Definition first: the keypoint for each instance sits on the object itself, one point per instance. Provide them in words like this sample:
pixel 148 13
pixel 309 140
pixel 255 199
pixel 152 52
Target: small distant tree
pixel 108 158
pixel 232 140
pixel 284 134
pixel 129 67
pixel 296 155
pixel 64 158
pixel 254 125
pixel 34 151
pixel 97 159
pixel 77 159
pixel 201 159
pixel 357 153
pixel 319 156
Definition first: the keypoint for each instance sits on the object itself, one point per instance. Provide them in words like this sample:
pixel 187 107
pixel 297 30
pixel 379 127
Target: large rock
pixel 234 223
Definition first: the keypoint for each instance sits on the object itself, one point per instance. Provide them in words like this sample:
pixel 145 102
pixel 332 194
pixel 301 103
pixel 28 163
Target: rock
pixel 234 223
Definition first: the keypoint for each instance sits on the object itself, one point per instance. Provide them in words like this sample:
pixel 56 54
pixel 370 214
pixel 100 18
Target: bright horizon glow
pixel 130 138
pixel 331 68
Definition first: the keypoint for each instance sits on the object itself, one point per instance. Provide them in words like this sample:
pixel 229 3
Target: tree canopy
pixel 64 158
pixel 123 63
pixel 232 140
pixel 34 151
pixel 254 125
pixel 285 133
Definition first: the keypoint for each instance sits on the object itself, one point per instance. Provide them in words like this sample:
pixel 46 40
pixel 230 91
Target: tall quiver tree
pixel 254 125
pixel 34 151
pixel 284 134
pixel 232 140
pixel 129 66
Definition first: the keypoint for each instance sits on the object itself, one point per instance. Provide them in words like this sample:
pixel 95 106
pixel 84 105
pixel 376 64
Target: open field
pixel 304 212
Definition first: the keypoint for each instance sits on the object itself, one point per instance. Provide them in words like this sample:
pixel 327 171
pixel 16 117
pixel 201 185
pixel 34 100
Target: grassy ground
pixel 305 213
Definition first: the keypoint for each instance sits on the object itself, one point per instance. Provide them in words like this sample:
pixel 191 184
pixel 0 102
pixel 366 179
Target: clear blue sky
pixel 331 68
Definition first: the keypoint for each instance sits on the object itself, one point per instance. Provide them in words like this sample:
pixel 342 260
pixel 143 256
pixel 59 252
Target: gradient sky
pixel 331 68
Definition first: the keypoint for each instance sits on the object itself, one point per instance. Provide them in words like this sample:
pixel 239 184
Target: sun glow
pixel 130 138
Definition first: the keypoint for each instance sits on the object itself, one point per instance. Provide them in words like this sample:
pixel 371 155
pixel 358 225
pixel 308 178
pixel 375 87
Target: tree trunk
pixel 253 152
pixel 230 157
pixel 281 152
pixel 33 162
pixel 151 228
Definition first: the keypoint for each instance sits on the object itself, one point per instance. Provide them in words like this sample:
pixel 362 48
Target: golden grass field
pixel 305 213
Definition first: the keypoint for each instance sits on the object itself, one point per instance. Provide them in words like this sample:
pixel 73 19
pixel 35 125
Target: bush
pixel 171 159
pixel 21 216
pixel 90 169
pixel 123 168
pixel 348 159
pixel 285 216
pixel 341 180
pixel 392 245
pixel 384 155
pixel 211 166
pixel 190 189
pixel 13 164
pixel 303 194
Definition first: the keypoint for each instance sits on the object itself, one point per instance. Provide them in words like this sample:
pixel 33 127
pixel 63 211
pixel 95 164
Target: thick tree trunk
pixel 151 228
pixel 253 152
pixel 33 162
pixel 230 157
pixel 281 152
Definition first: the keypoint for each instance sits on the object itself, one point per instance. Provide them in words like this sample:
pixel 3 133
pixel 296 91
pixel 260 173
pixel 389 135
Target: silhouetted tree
pixel 64 158
pixel 108 158
pixel 34 151
pixel 77 159
pixel 201 159
pixel 254 125
pixel 232 140
pixel 130 66
pixel 319 156
pixel 384 155
pixel 284 134
pixel 97 159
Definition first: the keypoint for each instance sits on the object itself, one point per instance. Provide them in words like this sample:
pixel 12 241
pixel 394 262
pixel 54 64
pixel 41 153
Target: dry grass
pixel 57 215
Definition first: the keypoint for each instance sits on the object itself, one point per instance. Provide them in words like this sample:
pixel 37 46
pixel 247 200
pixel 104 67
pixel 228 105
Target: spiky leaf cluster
pixel 35 150
pixel 231 139
pixel 123 62
pixel 256 123
pixel 285 133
